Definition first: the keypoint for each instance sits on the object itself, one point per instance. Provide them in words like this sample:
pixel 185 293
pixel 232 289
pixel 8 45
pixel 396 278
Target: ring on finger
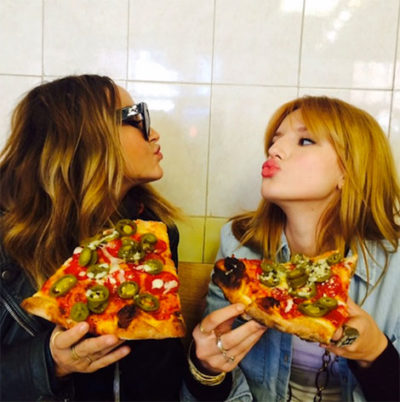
pixel 75 355
pixel 229 358
pixel 220 346
pixel 203 330
pixel 54 336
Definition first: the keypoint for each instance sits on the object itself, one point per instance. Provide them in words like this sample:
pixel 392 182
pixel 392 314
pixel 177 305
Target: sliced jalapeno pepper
pixel 328 302
pixel 153 266
pixel 298 281
pixel 148 242
pixel 306 292
pixel 98 270
pixel 267 266
pixel 128 289
pixel 126 227
pixel 98 294
pixel 270 278
pixel 63 285
pixel 96 307
pixel 79 312
pixel 312 309
pixel 334 258
pixel 147 302
pixel 295 273
pixel 299 259
pixel 85 257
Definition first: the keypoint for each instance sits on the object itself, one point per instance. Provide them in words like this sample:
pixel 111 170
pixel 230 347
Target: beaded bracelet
pixel 209 380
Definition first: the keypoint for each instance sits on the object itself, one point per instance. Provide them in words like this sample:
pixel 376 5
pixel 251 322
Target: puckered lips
pixel 269 168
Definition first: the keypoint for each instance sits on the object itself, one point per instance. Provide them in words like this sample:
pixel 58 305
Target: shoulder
pixel 229 245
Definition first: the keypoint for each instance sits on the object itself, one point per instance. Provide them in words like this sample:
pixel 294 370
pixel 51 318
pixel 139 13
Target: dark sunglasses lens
pixel 146 119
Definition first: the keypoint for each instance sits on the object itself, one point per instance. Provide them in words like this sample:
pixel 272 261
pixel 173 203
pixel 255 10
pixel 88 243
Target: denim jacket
pixel 263 375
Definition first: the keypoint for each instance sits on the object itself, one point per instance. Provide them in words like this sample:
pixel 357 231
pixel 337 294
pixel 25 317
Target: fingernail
pixel 83 326
pixel 240 308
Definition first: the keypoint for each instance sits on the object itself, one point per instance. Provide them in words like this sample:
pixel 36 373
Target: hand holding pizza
pixel 73 353
pixel 218 346
pixel 369 345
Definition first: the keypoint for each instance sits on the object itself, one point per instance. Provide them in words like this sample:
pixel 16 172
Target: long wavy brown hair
pixel 368 207
pixel 61 172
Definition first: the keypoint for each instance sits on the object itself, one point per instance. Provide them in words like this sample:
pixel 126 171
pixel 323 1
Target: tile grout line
pixel 300 47
pixel 209 135
pixel 393 89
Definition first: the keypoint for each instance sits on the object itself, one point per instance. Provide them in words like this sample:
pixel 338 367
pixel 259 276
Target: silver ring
pixel 227 357
pixel 219 345
pixel 349 336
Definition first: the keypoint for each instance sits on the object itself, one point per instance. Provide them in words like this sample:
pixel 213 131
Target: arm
pixel 205 354
pixel 372 358
pixel 380 381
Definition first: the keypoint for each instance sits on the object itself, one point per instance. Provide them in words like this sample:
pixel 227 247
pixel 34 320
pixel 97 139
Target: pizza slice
pixel 122 281
pixel 306 296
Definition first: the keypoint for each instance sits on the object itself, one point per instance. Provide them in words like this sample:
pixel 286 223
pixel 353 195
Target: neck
pixel 301 227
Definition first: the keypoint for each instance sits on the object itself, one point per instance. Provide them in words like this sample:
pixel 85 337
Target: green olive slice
pixel 147 302
pixel 128 289
pixel 79 312
pixel 63 285
pixel 153 266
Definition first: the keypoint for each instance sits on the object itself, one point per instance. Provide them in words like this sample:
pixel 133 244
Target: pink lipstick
pixel 269 168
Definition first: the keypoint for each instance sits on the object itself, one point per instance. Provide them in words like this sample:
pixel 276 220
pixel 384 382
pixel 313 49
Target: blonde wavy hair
pixel 368 207
pixel 61 172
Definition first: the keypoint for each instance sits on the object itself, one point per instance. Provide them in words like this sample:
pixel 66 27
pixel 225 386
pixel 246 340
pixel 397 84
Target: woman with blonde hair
pixel 80 156
pixel 330 183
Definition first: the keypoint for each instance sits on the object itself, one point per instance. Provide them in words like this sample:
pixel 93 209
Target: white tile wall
pixel 212 72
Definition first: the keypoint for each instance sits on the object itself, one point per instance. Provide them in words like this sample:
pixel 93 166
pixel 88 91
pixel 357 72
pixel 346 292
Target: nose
pixel 275 151
pixel 154 135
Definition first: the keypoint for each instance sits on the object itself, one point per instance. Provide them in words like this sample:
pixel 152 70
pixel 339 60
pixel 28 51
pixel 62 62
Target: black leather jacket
pixel 152 371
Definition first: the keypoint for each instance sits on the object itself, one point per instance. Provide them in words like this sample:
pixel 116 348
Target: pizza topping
pixel 125 315
pixel 334 258
pixel 147 302
pixel 305 292
pixel 319 308
pixel 85 257
pixel 98 271
pixel 270 276
pixel 269 302
pixel 128 289
pixel 233 275
pixel 153 266
pixel 126 227
pixel 79 312
pixel 148 242
pixel 97 294
pixel 63 285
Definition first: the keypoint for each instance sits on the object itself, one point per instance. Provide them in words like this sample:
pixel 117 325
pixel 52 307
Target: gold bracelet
pixel 209 380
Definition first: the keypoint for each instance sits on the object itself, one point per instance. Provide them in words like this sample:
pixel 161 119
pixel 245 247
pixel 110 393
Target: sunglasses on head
pixel 137 116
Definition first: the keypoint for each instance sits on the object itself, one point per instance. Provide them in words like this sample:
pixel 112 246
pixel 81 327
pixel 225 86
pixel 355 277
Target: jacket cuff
pixel 205 392
pixel 380 381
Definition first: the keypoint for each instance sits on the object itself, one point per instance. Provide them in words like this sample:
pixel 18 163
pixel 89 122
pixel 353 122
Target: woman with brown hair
pixel 80 156
pixel 330 183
